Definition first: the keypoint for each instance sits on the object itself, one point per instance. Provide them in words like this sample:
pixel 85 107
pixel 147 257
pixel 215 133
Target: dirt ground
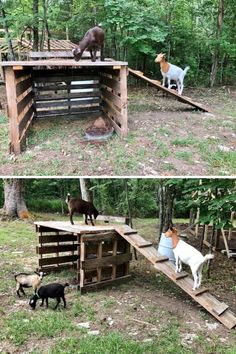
pixel 166 138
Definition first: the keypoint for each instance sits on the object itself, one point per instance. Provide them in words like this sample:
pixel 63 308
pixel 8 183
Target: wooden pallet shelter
pixel 55 88
pixel 101 255
pixel 98 253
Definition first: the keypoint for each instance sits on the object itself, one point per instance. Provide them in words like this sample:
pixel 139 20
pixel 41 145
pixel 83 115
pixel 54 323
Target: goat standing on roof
pixel 171 72
pixel 93 41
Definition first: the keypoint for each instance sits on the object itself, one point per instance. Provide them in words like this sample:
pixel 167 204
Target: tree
pixel 35 25
pixel 14 202
pixel 86 193
pixel 216 52
pixel 165 194
pixel 7 34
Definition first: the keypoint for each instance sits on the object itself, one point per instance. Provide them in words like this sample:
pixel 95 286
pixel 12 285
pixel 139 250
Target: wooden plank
pixel 56 238
pixel 124 101
pixel 144 244
pixel 219 310
pixel 58 78
pixel 57 260
pixel 111 83
pixel 23 75
pixel 181 275
pixel 112 121
pixel 102 236
pixel 161 259
pixel 82 252
pixel 55 268
pixel 51 54
pixel 105 261
pixel 15 146
pixel 65 87
pixel 130 232
pixel 63 63
pixel 54 249
pixel 111 97
pixel 77 228
pixel 68 112
pixel 22 86
pixel 27 100
pixel 59 54
pixel 110 109
pixel 99 257
pixel 92 287
pixel 114 253
pixel 64 103
pixel 18 67
pixel 59 96
pixel 66 72
pixel 170 92
pixel 200 291
pixel 26 121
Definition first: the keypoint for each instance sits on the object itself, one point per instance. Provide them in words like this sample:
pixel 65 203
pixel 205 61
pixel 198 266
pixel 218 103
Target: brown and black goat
pixel 93 41
pixel 80 206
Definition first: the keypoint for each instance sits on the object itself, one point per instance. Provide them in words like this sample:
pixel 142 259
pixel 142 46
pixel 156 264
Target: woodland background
pixel 163 199
pixel 198 33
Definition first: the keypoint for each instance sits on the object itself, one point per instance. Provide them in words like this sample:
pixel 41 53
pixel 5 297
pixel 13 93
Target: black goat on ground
pixel 93 41
pixel 53 291
pixel 77 205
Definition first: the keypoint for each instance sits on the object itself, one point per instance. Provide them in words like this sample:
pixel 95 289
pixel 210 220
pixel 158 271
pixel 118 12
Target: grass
pixel 22 325
pixel 48 331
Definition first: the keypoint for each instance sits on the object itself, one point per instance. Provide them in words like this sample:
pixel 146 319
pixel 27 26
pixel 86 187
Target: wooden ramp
pixel 158 85
pixel 218 309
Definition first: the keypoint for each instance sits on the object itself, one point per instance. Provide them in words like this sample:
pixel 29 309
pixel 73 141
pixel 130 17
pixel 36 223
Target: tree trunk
pixel 216 54
pixel 14 203
pixel 7 34
pixel 86 193
pixel 128 202
pixel 36 25
pixel 166 196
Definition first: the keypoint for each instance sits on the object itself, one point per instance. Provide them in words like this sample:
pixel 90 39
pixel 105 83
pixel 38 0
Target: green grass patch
pixel 188 141
pixel 22 325
pixel 114 343
pixel 185 155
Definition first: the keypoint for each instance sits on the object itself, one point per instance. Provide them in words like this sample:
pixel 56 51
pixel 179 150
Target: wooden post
pixel 12 110
pixel 124 100
pixel 82 258
pixel 99 256
pixel 114 253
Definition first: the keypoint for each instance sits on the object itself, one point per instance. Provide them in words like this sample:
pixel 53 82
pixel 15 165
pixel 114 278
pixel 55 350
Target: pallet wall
pixel 56 250
pixel 36 92
pixel 20 102
pixel 104 260
pixel 114 97
pixel 67 92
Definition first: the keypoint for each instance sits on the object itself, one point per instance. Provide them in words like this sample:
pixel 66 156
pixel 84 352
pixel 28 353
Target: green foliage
pixel 216 198
pixel 137 30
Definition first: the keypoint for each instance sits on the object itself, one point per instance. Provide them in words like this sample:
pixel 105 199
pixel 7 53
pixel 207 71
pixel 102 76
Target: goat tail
pixel 208 256
pixel 185 70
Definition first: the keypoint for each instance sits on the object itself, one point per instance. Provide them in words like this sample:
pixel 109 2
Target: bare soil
pixel 166 138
